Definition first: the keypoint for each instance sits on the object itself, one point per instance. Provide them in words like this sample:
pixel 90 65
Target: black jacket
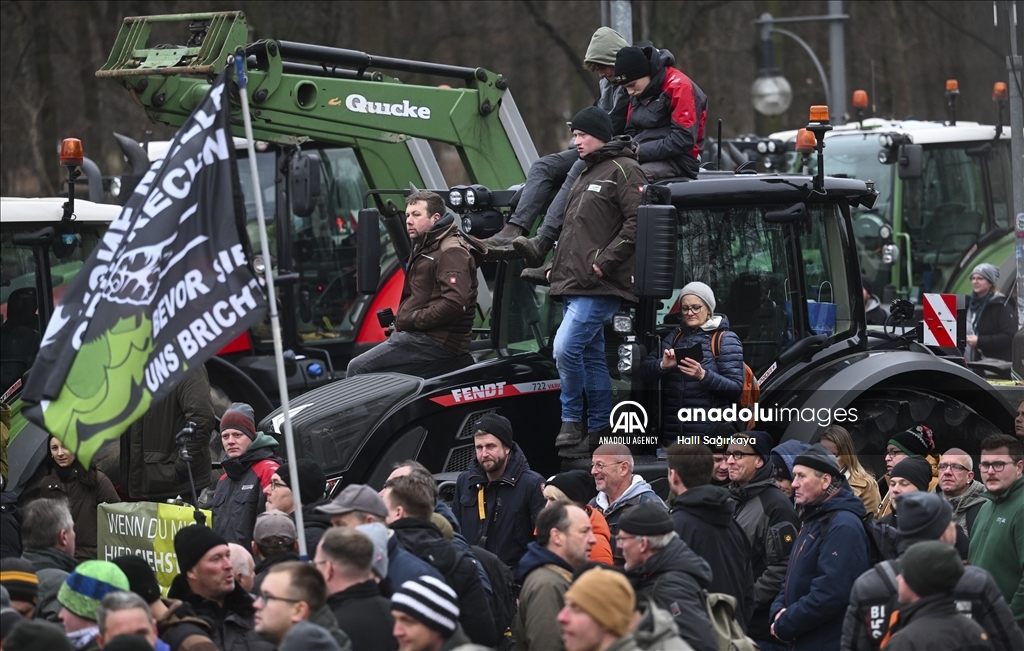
pixel 996 327
pixel 720 387
pixel 976 596
pixel 314 524
pixel 425 540
pixel 231 627
pixel 768 519
pixel 238 497
pixel 703 518
pixel 676 579
pixel 931 624
pixel 511 505
pixel 365 615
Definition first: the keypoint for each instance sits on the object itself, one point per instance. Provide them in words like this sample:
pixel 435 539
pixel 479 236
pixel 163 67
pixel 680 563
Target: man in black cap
pixel 928 617
pixel 666 114
pixel 767 518
pixel 925 517
pixel 312 484
pixel 593 274
pixel 830 552
pixel 497 500
pixel 662 567
pixel 912 475
pixel 873 310
pixel 206 582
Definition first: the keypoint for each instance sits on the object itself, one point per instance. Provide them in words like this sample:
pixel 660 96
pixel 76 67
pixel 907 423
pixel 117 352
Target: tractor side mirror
pixel 368 251
pixel 910 157
pixel 304 183
pixel 655 272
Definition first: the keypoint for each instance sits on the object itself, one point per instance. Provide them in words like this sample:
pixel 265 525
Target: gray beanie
pixel 305 636
pixel 987 271
pixel 701 291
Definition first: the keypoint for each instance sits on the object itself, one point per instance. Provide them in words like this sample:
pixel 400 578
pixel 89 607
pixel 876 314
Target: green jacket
pixel 997 544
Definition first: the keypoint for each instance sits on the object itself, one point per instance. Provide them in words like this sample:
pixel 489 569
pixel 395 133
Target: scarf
pixel 83 637
pixel 975 306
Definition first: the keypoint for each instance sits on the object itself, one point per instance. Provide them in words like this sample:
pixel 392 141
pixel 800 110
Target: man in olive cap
pixel 928 617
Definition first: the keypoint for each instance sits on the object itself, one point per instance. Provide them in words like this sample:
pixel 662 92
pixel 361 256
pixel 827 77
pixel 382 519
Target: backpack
pixel 750 392
pixel 728 631
pixel 882 538
pixel 504 597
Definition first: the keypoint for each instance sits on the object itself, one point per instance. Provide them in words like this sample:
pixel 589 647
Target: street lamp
pixel 771 92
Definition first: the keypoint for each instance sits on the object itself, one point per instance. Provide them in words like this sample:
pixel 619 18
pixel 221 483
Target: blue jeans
pixel 579 355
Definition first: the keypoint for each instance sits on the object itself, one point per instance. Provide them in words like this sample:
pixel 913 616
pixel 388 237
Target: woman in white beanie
pixel 716 381
pixel 991 323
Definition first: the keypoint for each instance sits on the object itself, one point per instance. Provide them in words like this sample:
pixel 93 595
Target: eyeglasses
pixel 601 465
pixel 620 538
pixel 892 452
pixel 690 309
pixel 955 467
pixel 274 485
pixel 997 466
pixel 739 455
pixel 316 563
pixel 269 597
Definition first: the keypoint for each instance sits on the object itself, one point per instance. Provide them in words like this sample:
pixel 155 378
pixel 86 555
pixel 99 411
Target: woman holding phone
pixel 691 377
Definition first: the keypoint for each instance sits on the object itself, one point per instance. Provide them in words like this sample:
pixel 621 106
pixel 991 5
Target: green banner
pixel 144 529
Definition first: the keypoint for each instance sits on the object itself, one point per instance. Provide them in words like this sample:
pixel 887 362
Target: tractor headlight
pixel 455 198
pixel 890 253
pixel 622 323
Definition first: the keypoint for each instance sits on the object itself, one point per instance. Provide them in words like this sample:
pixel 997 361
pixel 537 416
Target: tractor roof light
pixel 952 87
pixel 455 198
pixel 999 92
pixel 860 99
pixel 805 141
pixel 819 113
pixel 71 152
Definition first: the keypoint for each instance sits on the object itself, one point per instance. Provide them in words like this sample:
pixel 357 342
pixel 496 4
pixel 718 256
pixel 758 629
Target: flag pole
pixel 275 323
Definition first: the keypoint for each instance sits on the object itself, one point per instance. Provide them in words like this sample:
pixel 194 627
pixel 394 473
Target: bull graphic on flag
pixel 168 287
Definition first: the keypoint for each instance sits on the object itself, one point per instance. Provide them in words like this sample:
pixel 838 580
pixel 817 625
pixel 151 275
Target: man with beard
pixel 435 318
pixel 497 500
pixel 564 539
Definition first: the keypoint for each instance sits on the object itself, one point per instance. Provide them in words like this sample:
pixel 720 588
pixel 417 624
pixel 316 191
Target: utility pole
pixel 1015 69
pixel 837 61
pixel 618 14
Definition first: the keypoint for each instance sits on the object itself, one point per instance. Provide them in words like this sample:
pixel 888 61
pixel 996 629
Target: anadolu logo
pixel 628 421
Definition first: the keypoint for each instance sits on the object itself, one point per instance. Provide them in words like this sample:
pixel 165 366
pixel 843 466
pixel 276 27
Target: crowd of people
pixel 773 545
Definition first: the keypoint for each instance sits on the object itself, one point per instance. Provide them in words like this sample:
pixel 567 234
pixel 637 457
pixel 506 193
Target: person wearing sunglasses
pixel 699 380
pixel 999 529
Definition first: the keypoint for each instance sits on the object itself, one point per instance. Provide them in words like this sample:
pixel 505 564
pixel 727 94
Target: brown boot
pixel 505 236
pixel 537 275
pixel 533 250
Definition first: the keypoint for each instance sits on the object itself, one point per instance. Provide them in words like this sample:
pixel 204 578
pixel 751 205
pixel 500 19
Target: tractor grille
pixel 459 458
pixel 466 431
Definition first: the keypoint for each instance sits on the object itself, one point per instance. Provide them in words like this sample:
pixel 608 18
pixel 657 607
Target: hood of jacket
pixel 514 468
pixel 265 564
pixel 311 518
pixel 763 479
pixel 658 630
pixel 414 533
pixel 537 556
pixel 975 494
pixel 618 147
pixel 636 487
pixel 789 451
pixel 179 612
pixel 604 45
pixel 711 504
pixel 48 558
pixel 676 557
pixel 261 448
pixel 660 60
pixel 842 500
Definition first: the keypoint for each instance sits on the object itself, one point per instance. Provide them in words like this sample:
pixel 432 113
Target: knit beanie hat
pixel 701 291
pixel 305 636
pixel 604 44
pixel 716 431
pixel 127 642
pixel 606 596
pixel 593 121
pixel 35 634
pixel 646 519
pixel 192 542
pixel 497 426
pixel 312 481
pixel 19 577
pixel 817 457
pixel 761 442
pixel 378 535
pixel 987 271
pixel 141 579
pixel 783 456
pixel 916 441
pixel 923 515
pixel 931 567
pixel 578 485
pixel 916 470
pixel 429 601
pixel 630 64
pixel 9 618
pixel 84 589
pixel 239 416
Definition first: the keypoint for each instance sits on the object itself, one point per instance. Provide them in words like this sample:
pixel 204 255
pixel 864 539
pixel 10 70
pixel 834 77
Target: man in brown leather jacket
pixel 435 318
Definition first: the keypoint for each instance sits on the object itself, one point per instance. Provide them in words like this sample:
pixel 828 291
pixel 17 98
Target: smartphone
pixel 694 352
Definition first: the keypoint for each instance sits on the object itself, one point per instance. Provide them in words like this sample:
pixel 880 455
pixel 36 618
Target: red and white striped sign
pixel 940 320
